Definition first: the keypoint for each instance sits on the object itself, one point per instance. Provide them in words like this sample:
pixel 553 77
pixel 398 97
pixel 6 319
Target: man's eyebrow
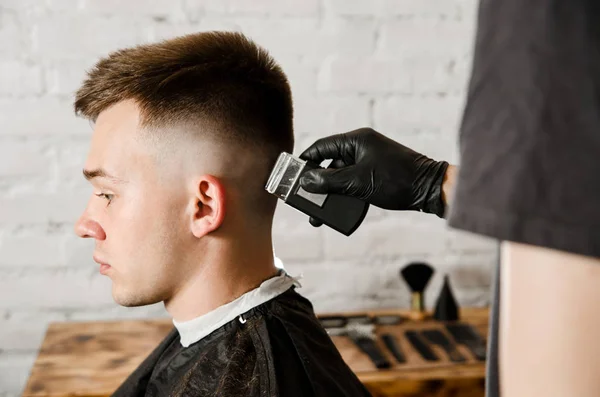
pixel 100 173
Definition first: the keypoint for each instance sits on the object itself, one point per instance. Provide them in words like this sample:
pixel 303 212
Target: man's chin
pixel 131 299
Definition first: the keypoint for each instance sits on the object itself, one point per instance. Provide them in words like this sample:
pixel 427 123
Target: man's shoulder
pixel 303 353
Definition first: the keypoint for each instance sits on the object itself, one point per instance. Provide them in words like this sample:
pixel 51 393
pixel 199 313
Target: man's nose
pixel 88 228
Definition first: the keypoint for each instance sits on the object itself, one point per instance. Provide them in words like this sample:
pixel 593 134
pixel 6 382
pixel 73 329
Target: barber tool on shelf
pixel 391 342
pixel 387 319
pixel 337 325
pixel 333 322
pixel 446 308
pixel 417 276
pixel 465 334
pixel 420 345
pixel 363 335
pixel 340 212
pixel 361 330
pixel 437 337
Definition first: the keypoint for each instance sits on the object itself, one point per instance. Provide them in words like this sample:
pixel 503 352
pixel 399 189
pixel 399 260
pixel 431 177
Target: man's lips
pixel 104 267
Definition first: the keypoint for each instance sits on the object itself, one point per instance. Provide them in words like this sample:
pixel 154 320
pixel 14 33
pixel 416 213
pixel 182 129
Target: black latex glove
pixel 376 169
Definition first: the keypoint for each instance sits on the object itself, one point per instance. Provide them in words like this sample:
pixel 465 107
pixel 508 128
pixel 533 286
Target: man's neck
pixel 221 280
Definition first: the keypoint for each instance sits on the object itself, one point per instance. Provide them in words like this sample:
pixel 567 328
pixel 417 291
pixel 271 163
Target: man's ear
pixel 209 210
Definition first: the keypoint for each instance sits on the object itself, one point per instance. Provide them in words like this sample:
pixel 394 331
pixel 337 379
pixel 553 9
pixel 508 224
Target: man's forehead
pixel 124 113
pixel 113 145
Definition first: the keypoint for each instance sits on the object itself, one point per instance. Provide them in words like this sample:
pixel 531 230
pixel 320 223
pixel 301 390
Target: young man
pixel 186 132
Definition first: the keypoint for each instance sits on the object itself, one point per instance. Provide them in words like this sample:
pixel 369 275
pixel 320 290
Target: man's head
pixel 185 134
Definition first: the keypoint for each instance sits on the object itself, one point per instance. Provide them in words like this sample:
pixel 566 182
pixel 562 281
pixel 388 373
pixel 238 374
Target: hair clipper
pixel 340 212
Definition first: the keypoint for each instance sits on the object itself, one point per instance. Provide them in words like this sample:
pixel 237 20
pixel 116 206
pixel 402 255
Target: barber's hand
pixel 376 169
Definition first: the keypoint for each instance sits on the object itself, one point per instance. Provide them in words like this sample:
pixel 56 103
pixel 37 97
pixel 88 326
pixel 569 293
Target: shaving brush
pixel 417 276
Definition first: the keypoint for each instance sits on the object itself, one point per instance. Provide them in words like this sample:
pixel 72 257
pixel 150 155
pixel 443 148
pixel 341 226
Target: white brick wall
pixel 400 66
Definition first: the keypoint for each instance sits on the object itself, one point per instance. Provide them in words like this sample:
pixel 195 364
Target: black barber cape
pixel 276 349
pixel 530 136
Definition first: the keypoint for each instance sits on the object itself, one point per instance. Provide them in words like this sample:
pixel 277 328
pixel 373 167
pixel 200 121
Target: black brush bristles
pixel 417 275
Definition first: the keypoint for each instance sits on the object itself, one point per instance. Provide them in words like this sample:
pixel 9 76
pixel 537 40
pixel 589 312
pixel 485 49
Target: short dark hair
pixel 221 78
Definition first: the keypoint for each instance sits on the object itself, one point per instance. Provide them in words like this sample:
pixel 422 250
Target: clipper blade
pixel 285 173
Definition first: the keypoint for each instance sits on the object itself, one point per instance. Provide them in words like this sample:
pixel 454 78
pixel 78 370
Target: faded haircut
pixel 218 79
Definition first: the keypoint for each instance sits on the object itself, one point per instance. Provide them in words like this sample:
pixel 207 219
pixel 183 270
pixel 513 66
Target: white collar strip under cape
pixel 193 330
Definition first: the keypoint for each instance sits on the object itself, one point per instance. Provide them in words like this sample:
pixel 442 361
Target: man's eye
pixel 108 197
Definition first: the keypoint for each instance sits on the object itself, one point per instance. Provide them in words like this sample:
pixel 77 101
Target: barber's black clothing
pixel 530 136
pixel 280 350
